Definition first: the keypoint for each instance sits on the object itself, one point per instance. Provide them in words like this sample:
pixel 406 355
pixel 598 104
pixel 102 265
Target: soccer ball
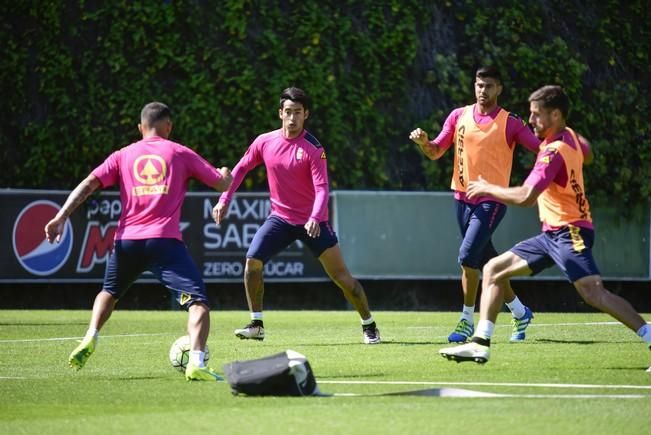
pixel 180 353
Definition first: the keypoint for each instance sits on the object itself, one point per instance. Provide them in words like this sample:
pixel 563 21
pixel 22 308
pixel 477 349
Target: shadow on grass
pixel 631 368
pixel 554 341
pixel 140 378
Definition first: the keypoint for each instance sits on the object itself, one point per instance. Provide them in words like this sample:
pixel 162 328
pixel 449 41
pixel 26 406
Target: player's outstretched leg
pixel 253 331
pixel 519 326
pixel 477 350
pixel 196 373
pixel 80 355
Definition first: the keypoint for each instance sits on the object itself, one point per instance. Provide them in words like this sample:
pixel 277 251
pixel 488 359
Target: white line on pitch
pixel 576 396
pixel 79 338
pixel 491 384
pixel 523 396
pixel 537 324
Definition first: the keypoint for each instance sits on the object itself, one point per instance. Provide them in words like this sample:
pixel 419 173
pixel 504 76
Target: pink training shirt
pixel 550 168
pixel 297 174
pixel 153 176
pixel 516 132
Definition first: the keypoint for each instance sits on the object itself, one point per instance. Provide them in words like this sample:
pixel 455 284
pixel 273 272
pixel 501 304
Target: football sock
pixel 366 322
pixel 485 329
pixel 256 315
pixel 92 332
pixel 467 313
pixel 645 333
pixel 196 358
pixel 516 307
pixel 481 341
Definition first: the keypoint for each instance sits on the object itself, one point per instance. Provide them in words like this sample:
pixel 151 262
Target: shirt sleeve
pixel 319 169
pixel 251 158
pixel 549 167
pixel 200 169
pixel 520 133
pixel 584 144
pixel 446 136
pixel 108 173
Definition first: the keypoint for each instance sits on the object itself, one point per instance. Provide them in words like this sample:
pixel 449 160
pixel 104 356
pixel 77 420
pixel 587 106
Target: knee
pixel 253 265
pixel 344 279
pixel 199 307
pixel 491 270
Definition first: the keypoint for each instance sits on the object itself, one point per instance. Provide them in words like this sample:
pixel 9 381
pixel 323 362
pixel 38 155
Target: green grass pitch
pixel 575 374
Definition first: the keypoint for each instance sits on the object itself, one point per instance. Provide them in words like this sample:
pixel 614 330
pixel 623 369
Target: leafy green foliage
pixel 74 76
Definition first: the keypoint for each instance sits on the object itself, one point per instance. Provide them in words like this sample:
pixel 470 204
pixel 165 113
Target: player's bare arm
pixel 54 228
pixel 524 195
pixel 431 150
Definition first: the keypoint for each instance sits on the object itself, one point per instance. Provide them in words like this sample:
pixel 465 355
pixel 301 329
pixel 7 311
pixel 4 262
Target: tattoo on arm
pixel 79 195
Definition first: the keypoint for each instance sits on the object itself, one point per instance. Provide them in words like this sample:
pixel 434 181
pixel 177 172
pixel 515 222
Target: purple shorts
pixel 477 223
pixel 570 248
pixel 169 261
pixel 276 234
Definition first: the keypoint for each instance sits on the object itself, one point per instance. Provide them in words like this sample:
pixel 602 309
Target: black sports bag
pixel 284 374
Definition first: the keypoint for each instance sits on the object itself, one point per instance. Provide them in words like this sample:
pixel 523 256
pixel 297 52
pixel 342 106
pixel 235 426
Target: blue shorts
pixel 477 223
pixel 168 259
pixel 569 247
pixel 276 234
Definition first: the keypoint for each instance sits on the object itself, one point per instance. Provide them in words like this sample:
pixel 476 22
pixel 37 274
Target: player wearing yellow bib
pixel 556 183
pixel 484 136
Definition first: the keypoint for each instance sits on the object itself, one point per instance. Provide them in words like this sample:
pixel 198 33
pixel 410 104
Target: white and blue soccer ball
pixel 180 353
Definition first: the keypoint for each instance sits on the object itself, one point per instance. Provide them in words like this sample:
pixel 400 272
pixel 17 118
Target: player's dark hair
pixel 154 112
pixel 552 97
pixel 296 95
pixel 489 72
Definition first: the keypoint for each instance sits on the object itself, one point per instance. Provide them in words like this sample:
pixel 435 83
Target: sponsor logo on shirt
pixel 460 134
pixel 548 153
pixel 150 170
pixel 579 196
pixel 299 153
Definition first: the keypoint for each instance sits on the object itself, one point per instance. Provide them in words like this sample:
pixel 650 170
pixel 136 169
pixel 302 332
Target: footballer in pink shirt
pixel 484 137
pixel 152 175
pixel 297 174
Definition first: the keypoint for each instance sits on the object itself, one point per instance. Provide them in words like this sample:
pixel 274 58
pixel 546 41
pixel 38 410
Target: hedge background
pixel 75 74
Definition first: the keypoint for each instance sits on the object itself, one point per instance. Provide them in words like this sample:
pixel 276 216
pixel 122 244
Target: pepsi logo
pixel 32 250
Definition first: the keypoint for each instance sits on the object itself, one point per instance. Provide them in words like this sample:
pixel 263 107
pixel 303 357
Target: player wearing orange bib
pixel 556 183
pixel 484 137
